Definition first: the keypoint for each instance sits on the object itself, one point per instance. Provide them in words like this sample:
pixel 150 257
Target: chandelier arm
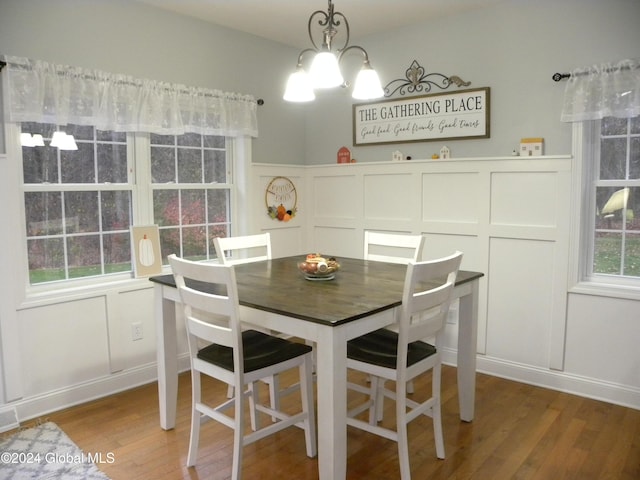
pixel 347 84
pixel 306 50
pixel 356 47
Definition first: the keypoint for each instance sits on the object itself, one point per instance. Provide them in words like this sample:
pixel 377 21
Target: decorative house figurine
pixel 531 147
pixel 445 152
pixel 344 155
pixel 397 156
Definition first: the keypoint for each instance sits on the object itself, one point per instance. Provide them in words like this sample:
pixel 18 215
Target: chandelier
pixel 324 71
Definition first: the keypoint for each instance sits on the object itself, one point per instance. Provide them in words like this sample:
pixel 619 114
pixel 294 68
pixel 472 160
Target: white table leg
pixel 467 348
pixel 167 354
pixel 332 403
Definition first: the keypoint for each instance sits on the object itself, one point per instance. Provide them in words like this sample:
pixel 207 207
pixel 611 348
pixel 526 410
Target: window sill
pixel 42 295
pixel 602 289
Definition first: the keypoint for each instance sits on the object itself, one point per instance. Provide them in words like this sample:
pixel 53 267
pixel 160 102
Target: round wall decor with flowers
pixel 281 199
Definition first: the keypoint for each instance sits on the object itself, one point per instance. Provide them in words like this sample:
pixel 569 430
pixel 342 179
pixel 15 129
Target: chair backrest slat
pixel 393 247
pixel 242 249
pixel 426 298
pixel 210 332
pixel 208 294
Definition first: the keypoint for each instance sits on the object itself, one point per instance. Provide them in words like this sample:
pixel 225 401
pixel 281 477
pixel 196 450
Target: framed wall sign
pixel 457 115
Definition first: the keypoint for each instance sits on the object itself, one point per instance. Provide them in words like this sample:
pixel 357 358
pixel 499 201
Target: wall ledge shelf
pixel 427 160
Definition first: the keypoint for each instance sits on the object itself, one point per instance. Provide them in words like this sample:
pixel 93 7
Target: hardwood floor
pixel 519 432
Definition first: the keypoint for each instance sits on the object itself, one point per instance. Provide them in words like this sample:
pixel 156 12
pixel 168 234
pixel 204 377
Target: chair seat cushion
pixel 381 348
pixel 260 350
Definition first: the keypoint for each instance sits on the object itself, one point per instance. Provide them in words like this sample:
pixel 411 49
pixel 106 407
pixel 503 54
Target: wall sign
pixel 458 115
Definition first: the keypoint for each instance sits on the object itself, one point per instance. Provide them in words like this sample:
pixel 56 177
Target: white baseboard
pixel 617 394
pixel 41 405
pixel 38 406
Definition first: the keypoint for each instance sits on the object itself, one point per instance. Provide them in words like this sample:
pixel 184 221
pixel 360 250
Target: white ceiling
pixel 285 21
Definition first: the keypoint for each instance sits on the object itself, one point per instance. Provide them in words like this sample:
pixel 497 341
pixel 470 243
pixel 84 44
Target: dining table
pixel 363 296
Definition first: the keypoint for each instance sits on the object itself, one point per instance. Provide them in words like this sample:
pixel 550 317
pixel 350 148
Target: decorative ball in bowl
pixel 317 267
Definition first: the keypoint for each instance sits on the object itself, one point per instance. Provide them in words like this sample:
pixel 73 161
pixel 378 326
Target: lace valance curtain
pixel 47 93
pixel 607 90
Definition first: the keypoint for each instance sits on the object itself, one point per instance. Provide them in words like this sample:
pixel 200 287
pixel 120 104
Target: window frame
pixel 141 188
pixel 229 186
pixel 586 152
pixel 60 186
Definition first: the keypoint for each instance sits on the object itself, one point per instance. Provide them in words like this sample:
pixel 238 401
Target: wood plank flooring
pixel 519 432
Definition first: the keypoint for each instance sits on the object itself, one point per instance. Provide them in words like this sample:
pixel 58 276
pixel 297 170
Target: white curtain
pixel 607 90
pixel 60 94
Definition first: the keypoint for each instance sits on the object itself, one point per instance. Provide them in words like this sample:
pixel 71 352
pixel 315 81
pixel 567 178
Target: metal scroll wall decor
pixel 417 81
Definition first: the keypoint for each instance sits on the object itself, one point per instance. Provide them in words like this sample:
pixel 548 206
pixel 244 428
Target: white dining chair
pixel 393 248
pixel 386 355
pixel 243 249
pixel 239 357
pixel 246 249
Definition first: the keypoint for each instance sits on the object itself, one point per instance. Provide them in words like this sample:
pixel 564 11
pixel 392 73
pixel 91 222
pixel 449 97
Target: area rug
pixel 45 452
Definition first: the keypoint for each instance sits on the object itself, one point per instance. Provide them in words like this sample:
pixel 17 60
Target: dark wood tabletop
pixel 360 288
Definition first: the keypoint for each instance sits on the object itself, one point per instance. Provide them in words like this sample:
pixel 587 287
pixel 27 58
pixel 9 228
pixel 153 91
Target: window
pixel 614 193
pixel 191 181
pixel 79 205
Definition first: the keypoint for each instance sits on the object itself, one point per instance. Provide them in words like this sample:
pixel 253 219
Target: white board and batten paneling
pixel 508 215
pixel 287 237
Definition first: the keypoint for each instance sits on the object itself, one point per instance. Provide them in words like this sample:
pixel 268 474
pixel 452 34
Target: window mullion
pixel 140 178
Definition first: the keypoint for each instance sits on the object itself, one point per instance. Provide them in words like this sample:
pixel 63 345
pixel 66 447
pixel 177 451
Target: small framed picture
pixel 145 246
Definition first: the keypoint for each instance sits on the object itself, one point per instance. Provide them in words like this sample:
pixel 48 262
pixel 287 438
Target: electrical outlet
pixel 136 331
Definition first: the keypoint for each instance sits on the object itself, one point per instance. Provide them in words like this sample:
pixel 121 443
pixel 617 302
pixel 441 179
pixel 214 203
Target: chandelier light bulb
pixel 299 87
pixel 68 143
pixel 57 138
pixel 63 141
pixel 367 85
pixel 38 141
pixel 26 140
pixel 325 71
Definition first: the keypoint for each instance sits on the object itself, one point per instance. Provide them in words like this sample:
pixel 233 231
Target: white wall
pixel 511 217
pixel 64 349
pixel 74 345
pixel 123 36
pixel 514 48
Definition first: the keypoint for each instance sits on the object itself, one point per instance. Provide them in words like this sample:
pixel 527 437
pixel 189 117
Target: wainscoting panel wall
pixel 520 300
pixel 44 349
pixel 287 238
pixel 452 197
pixel 510 217
pixel 505 214
pixel 389 198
